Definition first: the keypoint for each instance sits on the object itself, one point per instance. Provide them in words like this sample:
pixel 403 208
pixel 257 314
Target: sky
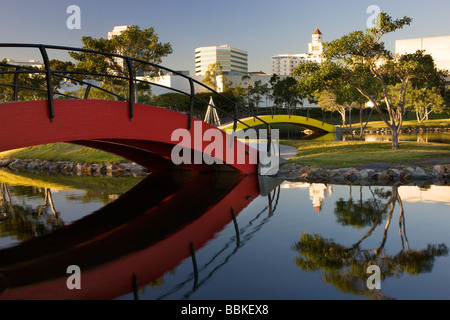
pixel 263 28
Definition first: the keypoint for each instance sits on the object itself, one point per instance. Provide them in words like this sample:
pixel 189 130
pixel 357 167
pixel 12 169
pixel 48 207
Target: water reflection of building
pixel 317 191
pixel 433 194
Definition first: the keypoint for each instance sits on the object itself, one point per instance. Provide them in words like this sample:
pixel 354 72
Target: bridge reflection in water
pixel 132 241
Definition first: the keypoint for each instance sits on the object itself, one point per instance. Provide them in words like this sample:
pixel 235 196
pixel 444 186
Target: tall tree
pixel 425 101
pixel 257 91
pixel 284 93
pixel 32 85
pixel 215 71
pixel 359 57
pixel 321 81
pixel 327 101
pixel 133 42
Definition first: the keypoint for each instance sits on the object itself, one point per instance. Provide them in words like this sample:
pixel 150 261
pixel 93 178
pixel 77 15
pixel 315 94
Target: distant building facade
pixel 29 63
pixel 231 59
pixel 284 64
pixel 116 31
pixel 437 47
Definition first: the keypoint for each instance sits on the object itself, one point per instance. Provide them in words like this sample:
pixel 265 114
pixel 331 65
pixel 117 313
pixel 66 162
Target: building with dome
pixel 284 64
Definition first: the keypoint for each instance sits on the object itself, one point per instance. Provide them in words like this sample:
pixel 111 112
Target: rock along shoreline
pixel 375 174
pixel 438 174
pixel 113 169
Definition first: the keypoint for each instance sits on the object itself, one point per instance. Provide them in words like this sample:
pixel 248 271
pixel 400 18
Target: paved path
pixel 287 152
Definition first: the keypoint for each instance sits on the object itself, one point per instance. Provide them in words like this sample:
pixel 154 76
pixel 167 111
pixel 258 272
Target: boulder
pixel 439 169
pixel 5 162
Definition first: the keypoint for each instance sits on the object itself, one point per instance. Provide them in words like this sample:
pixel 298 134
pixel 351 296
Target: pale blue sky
pixel 261 27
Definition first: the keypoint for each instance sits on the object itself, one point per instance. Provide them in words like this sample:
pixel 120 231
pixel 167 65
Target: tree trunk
pixel 361 134
pixel 395 144
pixel 418 116
pixel 350 120
pixel 343 114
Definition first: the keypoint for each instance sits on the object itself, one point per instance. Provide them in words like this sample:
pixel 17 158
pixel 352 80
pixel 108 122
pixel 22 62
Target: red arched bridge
pixel 35 110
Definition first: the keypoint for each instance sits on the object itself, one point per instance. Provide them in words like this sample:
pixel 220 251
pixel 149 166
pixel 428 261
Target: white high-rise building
pixel 230 59
pixel 116 31
pixel 284 64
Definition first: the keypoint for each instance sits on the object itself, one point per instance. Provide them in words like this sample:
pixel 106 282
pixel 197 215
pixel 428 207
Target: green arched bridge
pixel 305 122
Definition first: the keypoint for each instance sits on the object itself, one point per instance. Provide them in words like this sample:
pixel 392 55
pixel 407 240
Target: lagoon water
pixel 176 236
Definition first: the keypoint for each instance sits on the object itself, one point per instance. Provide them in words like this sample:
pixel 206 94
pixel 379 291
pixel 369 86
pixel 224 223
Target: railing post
pixel 191 105
pixel 135 287
pixel 51 106
pixel 235 117
pixel 236 228
pixel 131 97
pixel 16 84
pixel 269 139
pixel 86 93
pixel 194 263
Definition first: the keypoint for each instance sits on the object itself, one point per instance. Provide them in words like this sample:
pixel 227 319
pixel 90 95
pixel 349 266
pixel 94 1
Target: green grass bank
pixel 63 152
pixel 341 154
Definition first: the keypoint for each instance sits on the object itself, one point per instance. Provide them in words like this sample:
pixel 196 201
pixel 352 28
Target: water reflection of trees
pixel 360 213
pixel 21 218
pixel 24 221
pixel 345 266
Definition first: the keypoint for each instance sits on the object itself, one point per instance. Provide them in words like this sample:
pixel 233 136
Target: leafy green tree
pixel 246 86
pixel 318 83
pixel 181 102
pixel 214 70
pixel 239 93
pixel 212 76
pixel 258 91
pixel 360 57
pixel 133 42
pixel 174 101
pixel 284 93
pixel 424 101
pixel 327 101
pixel 33 85
pixel 225 101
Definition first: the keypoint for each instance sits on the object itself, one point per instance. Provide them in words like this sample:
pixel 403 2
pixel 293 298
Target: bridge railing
pixel 128 77
pixel 308 113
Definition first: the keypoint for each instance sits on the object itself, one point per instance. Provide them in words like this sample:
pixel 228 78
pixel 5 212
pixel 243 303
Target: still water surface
pixel 214 236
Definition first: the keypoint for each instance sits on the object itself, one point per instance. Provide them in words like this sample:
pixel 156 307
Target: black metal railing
pixel 80 77
pixel 316 114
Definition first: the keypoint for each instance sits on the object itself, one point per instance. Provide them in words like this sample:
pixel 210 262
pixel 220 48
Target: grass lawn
pixel 62 152
pixel 434 123
pixel 340 154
